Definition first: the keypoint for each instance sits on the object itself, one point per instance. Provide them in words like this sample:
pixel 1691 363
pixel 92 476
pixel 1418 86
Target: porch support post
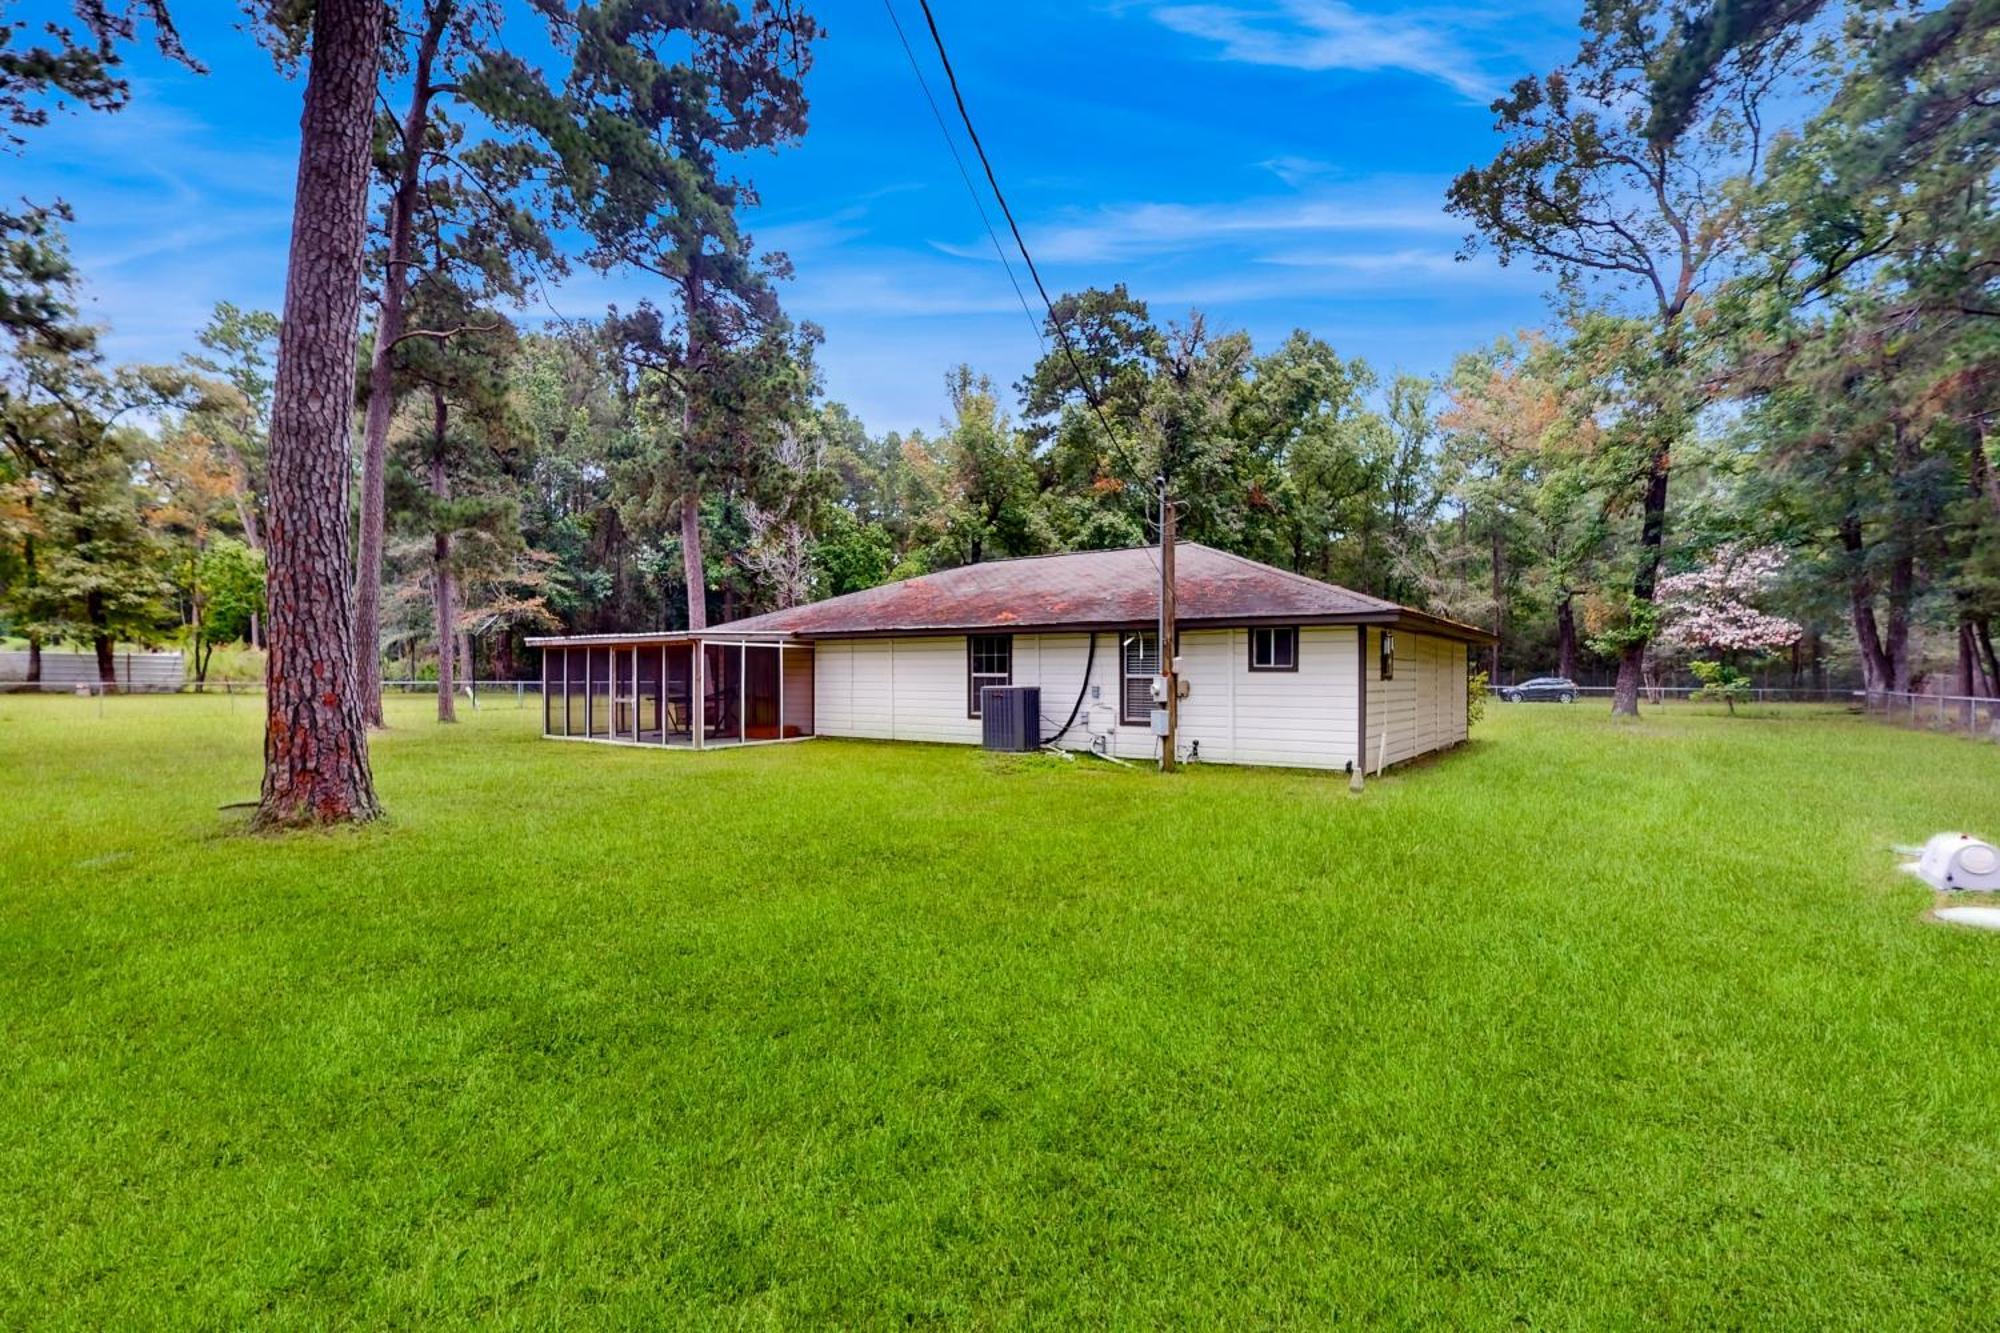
pixel 743 691
pixel 1355 779
pixel 660 704
pixel 589 701
pixel 698 693
pixel 781 691
pixel 545 691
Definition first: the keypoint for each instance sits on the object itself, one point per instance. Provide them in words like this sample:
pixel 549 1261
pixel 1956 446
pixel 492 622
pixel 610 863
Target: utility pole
pixel 1172 703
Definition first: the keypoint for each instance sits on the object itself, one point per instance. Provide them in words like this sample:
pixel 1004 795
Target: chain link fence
pixel 1960 714
pixel 519 693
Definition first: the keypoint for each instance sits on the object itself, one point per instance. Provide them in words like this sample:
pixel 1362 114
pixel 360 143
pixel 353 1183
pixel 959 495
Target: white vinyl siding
pixel 1423 708
pixel 914 689
pixel 1303 718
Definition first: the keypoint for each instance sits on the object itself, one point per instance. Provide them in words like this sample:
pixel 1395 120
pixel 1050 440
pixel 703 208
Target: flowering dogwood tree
pixel 1711 610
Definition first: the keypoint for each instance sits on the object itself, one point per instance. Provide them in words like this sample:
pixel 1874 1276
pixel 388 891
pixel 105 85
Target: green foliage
pixel 851 555
pixel 1621 623
pixel 81 65
pixel 232 581
pixel 1476 695
pixel 1720 681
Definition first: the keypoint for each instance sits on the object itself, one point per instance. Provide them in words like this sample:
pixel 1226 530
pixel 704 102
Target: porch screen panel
pixel 798 689
pixel 679 691
pixel 722 674
pixel 600 691
pixel 574 699
pixel 552 692
pixel 760 697
pixel 648 692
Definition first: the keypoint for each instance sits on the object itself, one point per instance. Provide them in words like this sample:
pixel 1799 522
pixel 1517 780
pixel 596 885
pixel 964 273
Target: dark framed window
pixel 989 660
pixel 1388 655
pixel 1139 663
pixel 1274 648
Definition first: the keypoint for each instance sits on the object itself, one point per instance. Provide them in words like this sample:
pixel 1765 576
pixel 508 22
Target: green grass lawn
pixel 1584 1024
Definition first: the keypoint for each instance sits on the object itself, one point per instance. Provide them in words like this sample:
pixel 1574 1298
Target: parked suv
pixel 1542 689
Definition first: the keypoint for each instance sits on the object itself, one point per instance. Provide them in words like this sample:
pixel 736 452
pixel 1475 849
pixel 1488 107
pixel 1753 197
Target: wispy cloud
pixel 1392 263
pixel 1331 34
pixel 1137 230
pixel 1296 171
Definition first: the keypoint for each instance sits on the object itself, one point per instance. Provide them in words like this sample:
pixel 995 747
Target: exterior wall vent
pixel 1012 717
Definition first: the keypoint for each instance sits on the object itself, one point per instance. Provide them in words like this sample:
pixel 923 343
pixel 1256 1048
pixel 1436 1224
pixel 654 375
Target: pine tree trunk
pixel 1875 669
pixel 1903 568
pixel 503 656
pixel 1982 629
pixel 34 659
pixel 1968 670
pixel 381 376
pixel 200 635
pixel 315 742
pixel 1499 598
pixel 242 498
pixel 1902 592
pixel 1566 636
pixel 444 595
pixel 692 566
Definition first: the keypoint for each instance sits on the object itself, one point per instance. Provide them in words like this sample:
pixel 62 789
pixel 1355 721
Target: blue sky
pixel 1278 163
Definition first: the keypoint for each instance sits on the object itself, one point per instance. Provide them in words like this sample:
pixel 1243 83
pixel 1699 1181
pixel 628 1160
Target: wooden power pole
pixel 1168 760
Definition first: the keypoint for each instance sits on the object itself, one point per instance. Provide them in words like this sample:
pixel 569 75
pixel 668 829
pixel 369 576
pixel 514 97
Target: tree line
pixel 1754 430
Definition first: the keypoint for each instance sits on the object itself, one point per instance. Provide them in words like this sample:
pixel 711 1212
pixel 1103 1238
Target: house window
pixel 989 660
pixel 1141 663
pixel 1274 648
pixel 1388 655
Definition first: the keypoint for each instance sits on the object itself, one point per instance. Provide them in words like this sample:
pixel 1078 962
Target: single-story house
pixel 1278 668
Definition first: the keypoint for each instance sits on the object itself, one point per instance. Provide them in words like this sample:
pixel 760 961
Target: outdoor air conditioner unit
pixel 1011 717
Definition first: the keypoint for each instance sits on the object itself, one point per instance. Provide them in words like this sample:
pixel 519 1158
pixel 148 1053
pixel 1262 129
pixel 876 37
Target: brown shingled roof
pixel 1090 589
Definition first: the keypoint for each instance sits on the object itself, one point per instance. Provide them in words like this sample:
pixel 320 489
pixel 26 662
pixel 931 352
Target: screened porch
pixel 679 690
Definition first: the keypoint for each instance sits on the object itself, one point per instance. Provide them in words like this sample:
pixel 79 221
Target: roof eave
pixel 717 635
pixel 1395 618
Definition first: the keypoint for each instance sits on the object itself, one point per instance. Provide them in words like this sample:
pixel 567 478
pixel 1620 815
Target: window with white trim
pixel 989 660
pixel 1274 648
pixel 1140 662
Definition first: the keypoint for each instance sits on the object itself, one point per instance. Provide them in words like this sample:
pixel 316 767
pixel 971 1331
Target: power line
pixel 999 250
pixel 1069 350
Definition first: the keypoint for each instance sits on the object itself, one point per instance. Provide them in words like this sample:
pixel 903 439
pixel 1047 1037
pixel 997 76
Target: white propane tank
pixel 1960 861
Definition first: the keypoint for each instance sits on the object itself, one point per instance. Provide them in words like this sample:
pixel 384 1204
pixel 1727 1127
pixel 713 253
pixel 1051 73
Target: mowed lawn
pixel 1584 1024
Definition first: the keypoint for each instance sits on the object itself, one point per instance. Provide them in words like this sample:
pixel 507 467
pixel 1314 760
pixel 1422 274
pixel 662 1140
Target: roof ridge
pixel 935 573
pixel 1296 576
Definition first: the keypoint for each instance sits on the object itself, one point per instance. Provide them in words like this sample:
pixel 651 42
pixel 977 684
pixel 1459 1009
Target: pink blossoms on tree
pixel 1711 609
